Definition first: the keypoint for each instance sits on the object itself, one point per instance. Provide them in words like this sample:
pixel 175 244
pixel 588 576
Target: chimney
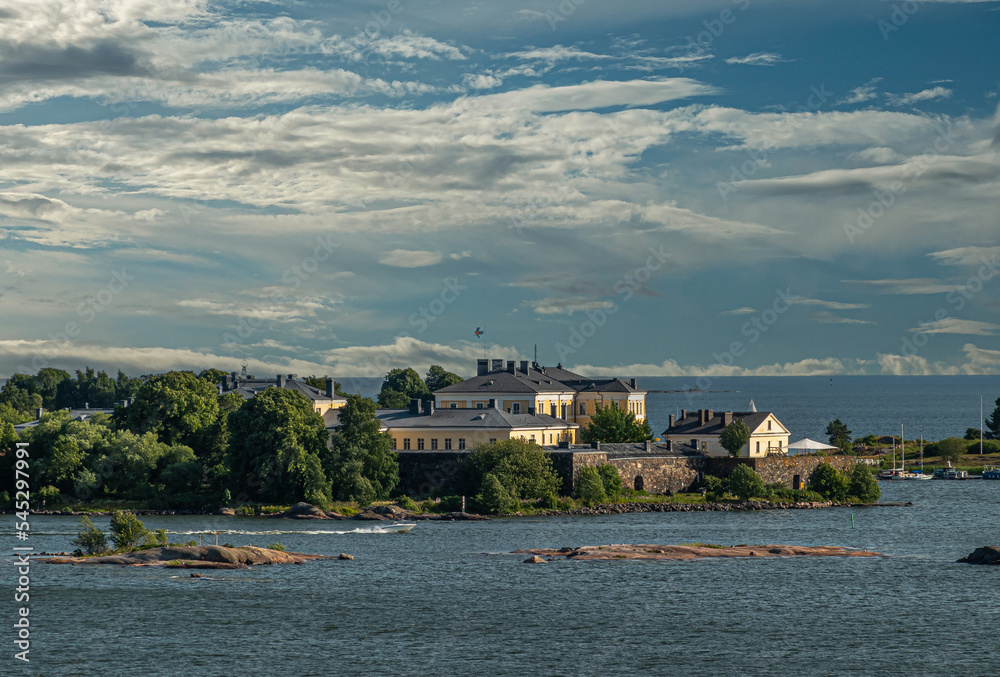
pixel 493 404
pixel 233 376
pixel 429 407
pixel 708 415
pixel 595 445
pixel 524 366
pixel 281 380
pixel 497 365
pixel 510 367
pixel 331 388
pixel 415 406
pixel 292 377
pixel 225 382
pixel 670 421
pixel 482 367
pixel 727 418
pixel 701 417
pixel 38 413
pixel 648 445
pixel 631 382
pixel 684 414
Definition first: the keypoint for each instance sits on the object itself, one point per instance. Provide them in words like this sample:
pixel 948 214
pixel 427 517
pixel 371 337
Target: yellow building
pixel 524 387
pixel 424 428
pixel 701 430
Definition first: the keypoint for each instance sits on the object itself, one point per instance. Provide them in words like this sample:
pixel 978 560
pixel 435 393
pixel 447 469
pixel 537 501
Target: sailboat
pixel 919 475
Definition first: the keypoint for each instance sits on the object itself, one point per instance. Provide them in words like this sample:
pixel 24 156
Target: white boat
pixel 394 528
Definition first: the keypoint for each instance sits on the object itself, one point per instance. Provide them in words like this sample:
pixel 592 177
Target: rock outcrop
pixel 986 555
pixel 695 551
pixel 196 557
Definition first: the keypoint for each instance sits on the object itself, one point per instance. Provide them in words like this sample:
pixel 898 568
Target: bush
pixel 611 479
pixel 126 530
pixel 91 539
pixel 522 468
pixel 495 499
pixel 713 484
pixel 549 501
pixel 407 503
pixel 829 482
pixel 192 543
pixel 590 486
pixel 863 485
pixel 745 482
pixel 989 446
pixel 276 546
pixel 155 539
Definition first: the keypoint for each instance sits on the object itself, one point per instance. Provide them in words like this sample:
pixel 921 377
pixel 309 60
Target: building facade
pixel 248 386
pixel 701 429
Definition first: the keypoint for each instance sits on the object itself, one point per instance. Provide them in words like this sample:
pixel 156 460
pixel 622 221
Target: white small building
pixel 701 429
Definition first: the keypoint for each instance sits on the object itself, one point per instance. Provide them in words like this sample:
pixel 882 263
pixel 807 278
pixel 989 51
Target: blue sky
pixel 646 188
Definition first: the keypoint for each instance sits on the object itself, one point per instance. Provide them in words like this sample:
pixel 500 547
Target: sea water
pixel 448 598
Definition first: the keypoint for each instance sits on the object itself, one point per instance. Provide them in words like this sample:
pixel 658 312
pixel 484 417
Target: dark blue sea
pixel 448 599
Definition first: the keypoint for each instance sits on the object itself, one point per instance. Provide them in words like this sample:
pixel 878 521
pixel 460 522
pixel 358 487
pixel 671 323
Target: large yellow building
pixel 528 388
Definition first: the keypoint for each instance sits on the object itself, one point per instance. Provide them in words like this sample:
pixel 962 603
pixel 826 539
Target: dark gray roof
pixel 692 425
pixel 74 414
pixel 536 380
pixel 461 418
pixel 635 449
pixel 250 387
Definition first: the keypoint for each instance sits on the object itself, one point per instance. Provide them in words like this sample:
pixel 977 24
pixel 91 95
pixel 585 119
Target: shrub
pixel 590 486
pixel 611 479
pixel 155 539
pixel 549 501
pixel 192 543
pixel 745 482
pixel 495 499
pixel 713 484
pixel 276 546
pixel 407 503
pixel 91 539
pixel 522 468
pixel 126 530
pixel 951 449
pixel 863 485
pixel 829 482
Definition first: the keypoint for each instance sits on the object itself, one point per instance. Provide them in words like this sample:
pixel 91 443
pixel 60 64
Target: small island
pixel 691 551
pixel 196 557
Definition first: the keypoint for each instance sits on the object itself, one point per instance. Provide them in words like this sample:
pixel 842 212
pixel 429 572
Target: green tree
pixel 89 538
pixel 126 530
pixel 19 394
pixel 839 435
pixel 47 382
pixel 973 434
pixel 745 483
pixel 319 382
pixel 399 387
pixel 612 424
pixel 991 430
pixel 590 486
pixel 277 441
pixel 863 485
pixel 951 449
pixel 438 377
pixel 361 463
pixel 523 468
pixel 213 376
pixel 734 437
pixel 494 497
pixel 829 482
pixel 611 478
pixel 179 408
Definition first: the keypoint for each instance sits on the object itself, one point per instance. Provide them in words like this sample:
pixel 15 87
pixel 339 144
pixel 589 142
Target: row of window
pixel 434 443
pixel 554 410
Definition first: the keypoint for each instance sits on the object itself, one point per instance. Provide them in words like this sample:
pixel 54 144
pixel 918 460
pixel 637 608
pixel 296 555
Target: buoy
pixel 852 520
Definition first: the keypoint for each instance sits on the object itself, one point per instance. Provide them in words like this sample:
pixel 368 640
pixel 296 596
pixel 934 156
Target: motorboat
pixel 991 472
pixel 950 473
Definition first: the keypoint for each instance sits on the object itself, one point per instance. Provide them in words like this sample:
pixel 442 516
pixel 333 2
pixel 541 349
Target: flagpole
pixel 980 425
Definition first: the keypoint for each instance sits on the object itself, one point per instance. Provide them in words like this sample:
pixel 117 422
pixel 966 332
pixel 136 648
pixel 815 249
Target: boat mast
pixel 980 425
pixel 902 450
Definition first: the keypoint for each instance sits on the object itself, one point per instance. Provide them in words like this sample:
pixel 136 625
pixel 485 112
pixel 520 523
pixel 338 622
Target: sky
pixel 651 188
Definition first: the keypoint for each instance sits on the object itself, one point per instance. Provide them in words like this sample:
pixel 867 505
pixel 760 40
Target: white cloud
pixel 745 310
pixel 924 95
pixel 807 367
pixel 567 306
pixel 967 256
pixel 865 92
pixel 826 317
pixel 405 351
pixel 598 94
pixel 481 81
pixel 757 59
pixel 403 258
pixel 921 285
pixel 878 155
pixel 833 305
pixel 978 361
pixel 954 325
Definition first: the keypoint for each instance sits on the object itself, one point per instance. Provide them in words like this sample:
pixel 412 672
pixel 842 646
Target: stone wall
pixel 782 469
pixel 568 465
pixel 660 475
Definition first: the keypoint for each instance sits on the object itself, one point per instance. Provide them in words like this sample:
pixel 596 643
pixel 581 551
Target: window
pixel 420 444
pixel 434 444
pixel 516 408
pixel 769 424
pixel 564 407
pixel 552 409
pixel 583 407
pixel 779 445
pixel 704 447
pixel 493 440
pixel 406 443
pixel 461 443
pixel 453 405
pixel 758 447
pixel 532 437
pixel 447 443
pixel 394 447
pixel 479 405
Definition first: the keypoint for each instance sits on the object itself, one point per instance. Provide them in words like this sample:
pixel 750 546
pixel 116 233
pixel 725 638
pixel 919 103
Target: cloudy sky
pixel 641 188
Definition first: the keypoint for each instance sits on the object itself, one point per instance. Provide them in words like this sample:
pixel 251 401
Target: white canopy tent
pixel 806 445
